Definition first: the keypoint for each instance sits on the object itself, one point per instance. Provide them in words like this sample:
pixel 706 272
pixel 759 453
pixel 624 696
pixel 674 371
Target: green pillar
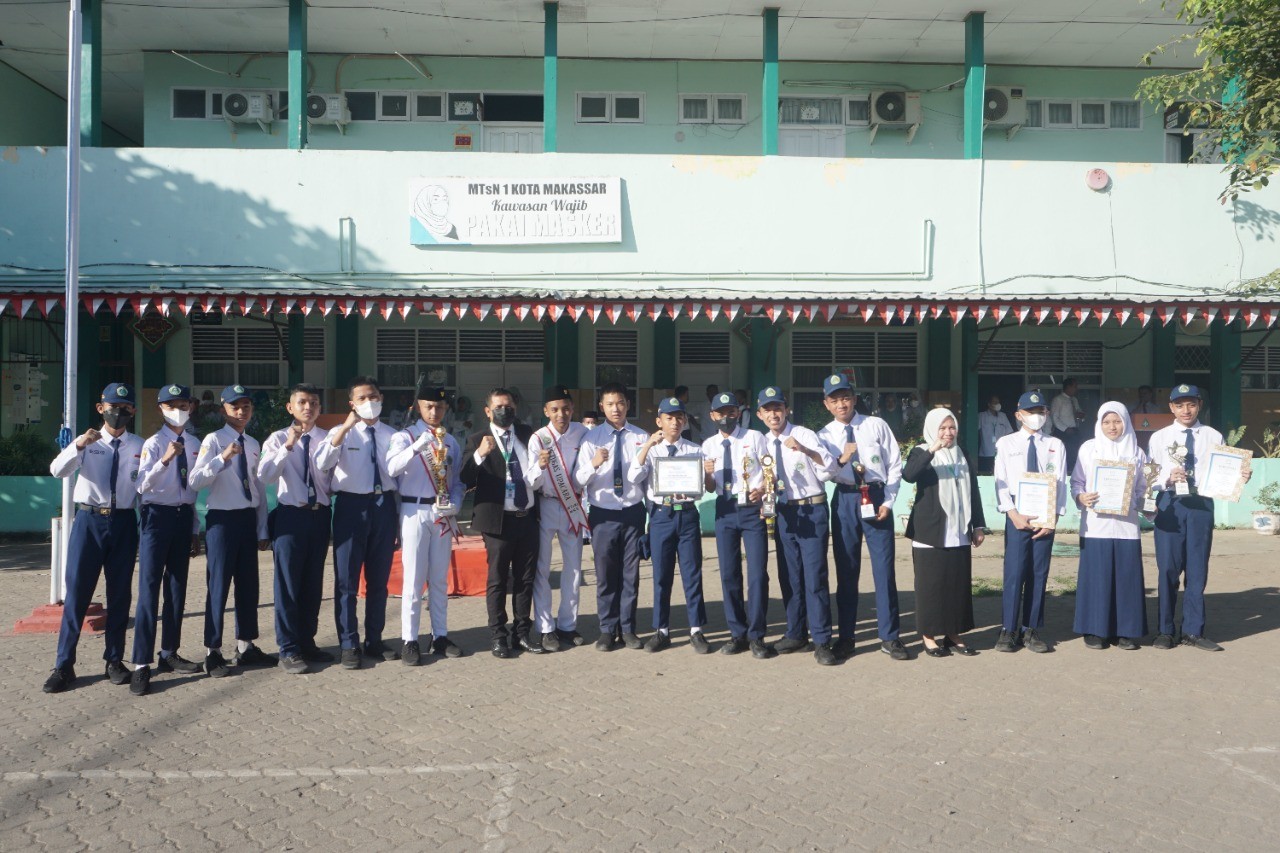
pixel 297 74
pixel 564 354
pixel 89 379
pixel 769 87
pixel 968 413
pixel 346 345
pixel 938 345
pixel 91 74
pixel 975 84
pixel 664 353
pixel 297 350
pixel 762 366
pixel 550 73
pixel 1225 404
pixel 154 367
pixel 1163 343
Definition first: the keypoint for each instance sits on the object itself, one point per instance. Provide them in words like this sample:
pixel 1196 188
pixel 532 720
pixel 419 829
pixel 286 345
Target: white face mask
pixel 369 409
pixel 996 407
pixel 1033 422
pixel 176 418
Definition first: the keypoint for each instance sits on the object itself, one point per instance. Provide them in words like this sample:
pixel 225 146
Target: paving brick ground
pixel 1076 750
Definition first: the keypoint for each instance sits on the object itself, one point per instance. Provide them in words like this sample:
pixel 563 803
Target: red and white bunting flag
pixel 1189 314
pixel 694 310
pixel 733 310
pixel 1229 314
pixel 939 309
pixel 793 310
pixel 713 311
pixel 289 303
pixel 829 310
pixel 308 305
pixel 367 307
pixel 460 309
pixel 1001 311
pixel 807 309
pixel 326 306
pixel 521 310
pixel 504 311
pixel 1042 313
pixel 1211 313
pixel 574 309
pixel 1165 314
pixel 634 310
pixel 48 303
pixel 654 310
pixel 868 311
pixel 674 309
pixel 115 303
pixel 887 312
pixel 482 310
pixel 443 310
pixel 1123 314
pixel 405 306
pixel 1062 312
pixel 1145 313
pixel 557 309
pixel 612 311
pixel 166 305
pixel 25 306
pixel 772 312
pixel 188 302
pixel 387 308
pixel 135 302
pixel 1081 314
pixel 1268 317
pixel 980 311
pixel 91 303
pixel 538 310
pixel 4 304
pixel 1022 312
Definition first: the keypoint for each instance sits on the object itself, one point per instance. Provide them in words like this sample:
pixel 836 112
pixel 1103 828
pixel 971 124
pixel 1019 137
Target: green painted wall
pixel 35 116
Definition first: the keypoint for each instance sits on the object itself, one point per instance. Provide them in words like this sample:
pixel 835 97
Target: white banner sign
pixel 497 211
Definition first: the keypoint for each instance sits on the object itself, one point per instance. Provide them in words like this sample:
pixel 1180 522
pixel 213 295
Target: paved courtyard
pixel 579 750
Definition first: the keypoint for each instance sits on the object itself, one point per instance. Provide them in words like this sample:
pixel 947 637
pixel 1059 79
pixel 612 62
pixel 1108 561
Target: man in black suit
pixel 495 464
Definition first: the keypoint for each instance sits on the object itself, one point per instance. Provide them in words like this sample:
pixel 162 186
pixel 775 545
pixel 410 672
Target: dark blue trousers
pixel 676 533
pixel 106 545
pixel 231 536
pixel 300 545
pixel 1026 573
pixel 1184 537
pixel 163 559
pixel 364 534
pixel 739 529
pixel 615 542
pixel 848 531
pixel 802 537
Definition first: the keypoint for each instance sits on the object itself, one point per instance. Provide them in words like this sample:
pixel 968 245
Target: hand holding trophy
pixel 769 501
pixel 440 472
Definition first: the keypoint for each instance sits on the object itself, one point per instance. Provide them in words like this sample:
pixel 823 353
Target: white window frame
pixel 487 123
pixel 1047 122
pixel 1106 114
pixel 613 112
pixel 608 108
pixel 208 103
pixel 849 120
pixel 728 96
pixel 1035 127
pixel 695 96
pixel 801 96
pixel 413 105
pixel 346 93
pixel 1112 102
pixel 395 93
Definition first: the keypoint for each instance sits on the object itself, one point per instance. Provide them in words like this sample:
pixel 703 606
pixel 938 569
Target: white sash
pixel 449 524
pixel 560 482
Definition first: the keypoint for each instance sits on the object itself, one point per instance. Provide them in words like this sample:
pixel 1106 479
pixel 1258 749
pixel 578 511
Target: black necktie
pixel 115 468
pixel 306 469
pixel 728 468
pixel 853 460
pixel 1033 458
pixel 182 462
pixel 373 459
pixel 617 462
pixel 777 461
pixel 1190 466
pixel 513 470
pixel 244 470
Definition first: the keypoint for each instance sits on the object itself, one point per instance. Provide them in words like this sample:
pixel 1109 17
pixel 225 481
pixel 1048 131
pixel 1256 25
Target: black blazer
pixel 928 521
pixel 489 479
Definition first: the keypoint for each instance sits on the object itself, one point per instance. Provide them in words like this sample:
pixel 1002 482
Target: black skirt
pixel 944 590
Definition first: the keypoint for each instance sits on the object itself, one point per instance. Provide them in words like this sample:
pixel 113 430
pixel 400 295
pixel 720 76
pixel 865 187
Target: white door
pixel 513 138
pixel 811 142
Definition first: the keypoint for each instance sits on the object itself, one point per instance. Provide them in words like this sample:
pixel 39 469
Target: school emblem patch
pixel 1184 388
pixel 770 391
pixel 1035 398
pixel 121 391
pixel 1048 469
pixel 238 389
pixel 174 389
pixel 835 378
pixel 673 402
pixel 875 460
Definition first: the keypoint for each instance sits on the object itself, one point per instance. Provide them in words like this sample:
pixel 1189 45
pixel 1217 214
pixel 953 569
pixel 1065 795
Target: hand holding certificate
pixel 1113 482
pixel 677 476
pixel 1036 497
pixel 1225 471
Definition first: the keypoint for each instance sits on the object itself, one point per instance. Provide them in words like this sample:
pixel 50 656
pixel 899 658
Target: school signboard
pixel 506 212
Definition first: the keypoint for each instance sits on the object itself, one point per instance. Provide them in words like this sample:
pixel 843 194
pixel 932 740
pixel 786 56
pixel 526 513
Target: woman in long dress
pixel 946 524
pixel 1110 598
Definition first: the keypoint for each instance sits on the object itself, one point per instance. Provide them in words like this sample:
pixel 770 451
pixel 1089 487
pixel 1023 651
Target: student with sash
pixel 561 515
pixel 428 461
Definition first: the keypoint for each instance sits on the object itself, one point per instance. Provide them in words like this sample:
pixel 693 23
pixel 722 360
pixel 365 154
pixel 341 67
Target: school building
pixel 942 199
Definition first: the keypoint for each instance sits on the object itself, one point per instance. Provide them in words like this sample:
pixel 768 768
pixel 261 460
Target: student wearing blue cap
pixel 1028 541
pixel 170 536
pixel 235 530
pixel 802 467
pixel 104 532
pixel 867 469
pixel 731 461
pixel 674 529
pixel 1184 519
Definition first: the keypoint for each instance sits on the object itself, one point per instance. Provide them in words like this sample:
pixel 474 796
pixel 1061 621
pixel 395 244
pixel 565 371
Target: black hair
pixel 363 380
pixel 499 391
pixel 680 391
pixel 305 388
pixel 1068 382
pixel 612 388
pixel 592 414
pixel 1147 388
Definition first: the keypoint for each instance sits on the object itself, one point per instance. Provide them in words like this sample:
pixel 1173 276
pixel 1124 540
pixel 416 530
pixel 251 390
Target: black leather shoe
pixel 254 656
pixel 352 659
pixel 315 654
pixel 937 652
pixel 735 646
pixel 1162 641
pixel 760 650
pixel 444 647
pixel 825 655
pixel 572 638
pixel 959 648
pixel 117 672
pixel 1204 644
pixel 1033 642
pixel 411 653
pixel 293 664
pixel 632 642
pixel 606 643
pixel 525 644
pixel 895 649
pixel 60 679
pixel 215 665
pixel 699 643
pixel 177 663
pixel 657 642
pixel 500 649
pixel 1007 642
pixel 1127 644
pixel 551 641
pixel 140 681
pixel 1093 641
pixel 380 650
pixel 790 645
pixel 844 648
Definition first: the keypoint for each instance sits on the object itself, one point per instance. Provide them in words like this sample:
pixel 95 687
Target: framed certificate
pixel 677 475
pixel 1223 475
pixel 1113 481
pixel 1036 496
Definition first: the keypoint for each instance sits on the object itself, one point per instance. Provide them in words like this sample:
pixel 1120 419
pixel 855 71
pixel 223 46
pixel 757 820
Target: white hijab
pixel 1124 449
pixel 953 474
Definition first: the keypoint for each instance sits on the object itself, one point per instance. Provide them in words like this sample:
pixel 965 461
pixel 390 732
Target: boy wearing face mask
pixel 731 461
pixel 104 533
pixel 1027 544
pixel 366 520
pixel 170 537
pixel 993 425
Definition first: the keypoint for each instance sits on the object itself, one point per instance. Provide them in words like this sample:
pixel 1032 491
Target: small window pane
pixel 1062 114
pixel 626 108
pixel 1126 115
pixel 593 108
pixel 464 106
pixel 1034 118
pixel 859 111
pixel 1093 115
pixel 363 106
pixel 215 104
pixel 282 102
pixel 695 109
pixel 395 106
pixel 729 109
pixel 188 103
pixel 429 107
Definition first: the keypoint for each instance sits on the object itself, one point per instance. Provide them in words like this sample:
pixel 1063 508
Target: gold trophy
pixel 1151 471
pixel 440 467
pixel 769 503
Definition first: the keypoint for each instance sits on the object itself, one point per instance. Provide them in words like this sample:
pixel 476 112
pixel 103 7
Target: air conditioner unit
pixel 895 109
pixel 327 108
pixel 249 108
pixel 1004 106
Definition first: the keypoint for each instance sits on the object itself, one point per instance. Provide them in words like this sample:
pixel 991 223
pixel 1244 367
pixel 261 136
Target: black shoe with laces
pixel 825 655
pixel 1033 642
pixel 550 641
pixel 844 647
pixel 895 650
pixel 177 663
pixel 789 645
pixel 1162 641
pixel 254 656
pixel 1007 642
pixel 572 638
pixel 657 642
pixel 607 642
pixel 381 650
pixel 118 672
pixel 760 650
pixel 352 659
pixel 215 665
pixel 140 681
pixel 293 664
pixel 444 647
pixel 1204 644
pixel 632 641
pixel 411 653
pixel 315 654
pixel 735 646
pixel 1093 641
pixel 60 679
pixel 1127 644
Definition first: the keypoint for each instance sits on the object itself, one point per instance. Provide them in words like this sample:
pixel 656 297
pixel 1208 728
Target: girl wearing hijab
pixel 946 524
pixel 1110 599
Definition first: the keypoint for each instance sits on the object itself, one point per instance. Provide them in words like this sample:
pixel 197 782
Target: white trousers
pixel 553 521
pixel 424 554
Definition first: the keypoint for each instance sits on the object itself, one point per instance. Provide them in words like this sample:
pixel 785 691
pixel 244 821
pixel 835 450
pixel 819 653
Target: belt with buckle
pixel 101 510
pixel 848 489
pixel 680 505
pixel 408 500
pixel 809 501
pixel 518 513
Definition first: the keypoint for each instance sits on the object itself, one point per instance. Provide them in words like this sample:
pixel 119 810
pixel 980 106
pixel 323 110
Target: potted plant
pixel 1267 520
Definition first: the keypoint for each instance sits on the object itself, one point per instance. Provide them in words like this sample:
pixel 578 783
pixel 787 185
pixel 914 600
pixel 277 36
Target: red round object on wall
pixel 1097 179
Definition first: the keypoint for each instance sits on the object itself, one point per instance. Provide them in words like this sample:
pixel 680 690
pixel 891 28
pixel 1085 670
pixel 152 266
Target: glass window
pixel 464 106
pixel 1126 115
pixel 810 111
pixel 428 107
pixel 695 108
pixel 859 111
pixel 729 110
pixel 1034 114
pixel 189 103
pixel 1062 114
pixel 1093 114
pixel 628 108
pixel 393 106
pixel 593 108
pixel 363 106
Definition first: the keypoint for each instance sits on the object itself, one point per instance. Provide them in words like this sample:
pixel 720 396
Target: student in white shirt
pixel 993 425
